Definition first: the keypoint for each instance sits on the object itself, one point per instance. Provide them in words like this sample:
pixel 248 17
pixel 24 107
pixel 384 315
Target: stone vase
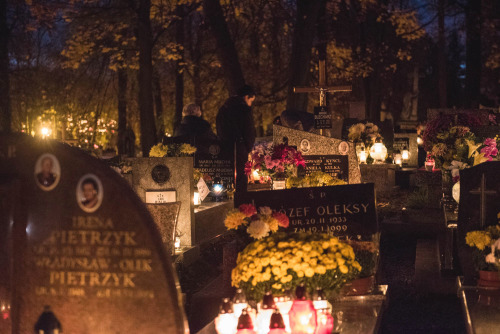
pixel 489 279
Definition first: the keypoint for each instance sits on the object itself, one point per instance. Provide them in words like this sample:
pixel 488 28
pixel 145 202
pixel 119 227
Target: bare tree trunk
pixel 473 53
pixel 179 71
pixel 122 109
pixel 145 42
pixel 158 105
pixel 193 41
pixel 307 15
pixel 226 49
pixel 5 111
pixel 441 56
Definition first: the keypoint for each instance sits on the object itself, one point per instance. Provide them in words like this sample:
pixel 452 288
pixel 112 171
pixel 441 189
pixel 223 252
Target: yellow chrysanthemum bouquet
pixel 281 261
pixel 172 150
pixel 486 247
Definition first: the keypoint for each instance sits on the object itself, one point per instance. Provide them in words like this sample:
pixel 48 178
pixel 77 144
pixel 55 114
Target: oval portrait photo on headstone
pixel 47 172
pixel 89 193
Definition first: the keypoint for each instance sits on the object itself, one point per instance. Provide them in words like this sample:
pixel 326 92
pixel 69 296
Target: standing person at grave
pixel 236 130
pixel 193 127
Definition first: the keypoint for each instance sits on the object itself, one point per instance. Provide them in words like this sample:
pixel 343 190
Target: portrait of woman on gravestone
pixel 47 171
pixel 89 193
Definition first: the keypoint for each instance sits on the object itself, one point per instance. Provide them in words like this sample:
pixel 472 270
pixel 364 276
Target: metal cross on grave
pixel 482 192
pixel 322 118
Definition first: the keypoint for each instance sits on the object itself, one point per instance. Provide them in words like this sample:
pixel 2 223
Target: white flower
pixel 490 258
pixel 258 229
pixel 265 210
pixel 456 166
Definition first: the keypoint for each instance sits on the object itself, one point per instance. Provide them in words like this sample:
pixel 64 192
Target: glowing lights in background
pixel 398 159
pixel 378 152
pixel 405 155
pixel 196 198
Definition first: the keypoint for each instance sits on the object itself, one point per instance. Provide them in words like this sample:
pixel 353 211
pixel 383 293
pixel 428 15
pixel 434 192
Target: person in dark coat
pixel 193 127
pixel 236 130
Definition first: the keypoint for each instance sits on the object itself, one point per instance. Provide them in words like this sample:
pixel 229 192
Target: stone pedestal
pixel 382 175
pixel 178 177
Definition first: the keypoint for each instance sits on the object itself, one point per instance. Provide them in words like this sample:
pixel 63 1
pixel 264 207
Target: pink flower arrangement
pixel 490 149
pixel 272 160
pixel 257 225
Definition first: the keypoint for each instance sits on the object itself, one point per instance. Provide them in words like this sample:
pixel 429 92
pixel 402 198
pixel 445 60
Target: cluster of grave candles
pixel 276 315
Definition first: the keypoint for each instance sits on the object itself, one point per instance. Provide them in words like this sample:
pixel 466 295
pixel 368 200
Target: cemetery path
pixel 413 307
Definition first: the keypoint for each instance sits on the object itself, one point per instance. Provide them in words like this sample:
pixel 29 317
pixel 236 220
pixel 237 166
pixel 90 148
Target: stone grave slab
pixel 82 243
pixel 345 210
pixel 151 175
pixel 478 207
pixel 383 176
pixel 408 140
pixel 316 147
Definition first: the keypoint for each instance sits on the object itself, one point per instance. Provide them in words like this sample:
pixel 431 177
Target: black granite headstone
pixel 84 245
pixel 478 207
pixel 216 162
pixel 346 210
pixel 335 165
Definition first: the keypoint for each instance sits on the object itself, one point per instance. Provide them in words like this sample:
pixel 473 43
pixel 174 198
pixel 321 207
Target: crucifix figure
pixel 482 192
pixel 322 89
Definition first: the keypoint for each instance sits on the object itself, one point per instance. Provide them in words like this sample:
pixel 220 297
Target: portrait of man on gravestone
pixel 47 172
pixel 89 193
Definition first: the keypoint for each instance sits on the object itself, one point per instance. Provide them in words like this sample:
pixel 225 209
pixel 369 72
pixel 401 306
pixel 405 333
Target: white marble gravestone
pixel 164 180
pixel 311 144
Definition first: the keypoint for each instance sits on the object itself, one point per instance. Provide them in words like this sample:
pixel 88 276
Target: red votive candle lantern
pixel 302 314
pixel 429 164
pixel 325 322
pixel 245 325
pixel 277 325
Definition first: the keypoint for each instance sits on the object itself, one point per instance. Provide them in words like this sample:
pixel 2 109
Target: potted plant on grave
pixel 367 255
pixel 281 261
pixel 274 162
pixel 485 246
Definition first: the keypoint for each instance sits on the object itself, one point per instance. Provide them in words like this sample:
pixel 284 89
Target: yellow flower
pixel 320 270
pixel 234 219
pixel 277 286
pixel 309 272
pixel 158 151
pixel 187 149
pixel 478 239
pixel 343 269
